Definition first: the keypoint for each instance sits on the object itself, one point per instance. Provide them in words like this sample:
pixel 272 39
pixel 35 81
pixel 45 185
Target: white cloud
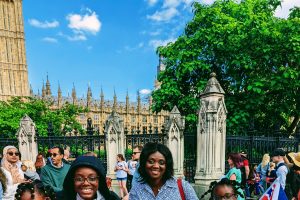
pixel 286 5
pixel 151 2
pixel 138 46
pixel 164 15
pixel 45 24
pixel 171 3
pixel 78 36
pixel 157 43
pixel 155 33
pixel 208 2
pixel 145 91
pixel 50 39
pixel 88 22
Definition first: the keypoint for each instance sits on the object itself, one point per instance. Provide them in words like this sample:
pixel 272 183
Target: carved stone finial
pixel 213 86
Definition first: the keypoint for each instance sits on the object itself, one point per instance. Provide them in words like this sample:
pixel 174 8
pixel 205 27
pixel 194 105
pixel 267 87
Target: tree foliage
pixel 63 120
pixel 255 55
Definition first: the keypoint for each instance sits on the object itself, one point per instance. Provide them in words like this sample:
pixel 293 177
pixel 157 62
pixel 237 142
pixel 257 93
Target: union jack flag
pixel 274 192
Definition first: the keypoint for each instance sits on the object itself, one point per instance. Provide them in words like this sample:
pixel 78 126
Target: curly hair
pixel 224 182
pixel 3 180
pixel 35 187
pixel 149 149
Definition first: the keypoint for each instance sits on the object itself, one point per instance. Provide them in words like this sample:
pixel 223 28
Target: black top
pixel 69 192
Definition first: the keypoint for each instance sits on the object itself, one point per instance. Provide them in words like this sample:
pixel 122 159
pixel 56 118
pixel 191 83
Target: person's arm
pixel 189 192
pixel 232 177
pixel 125 168
pixel 247 171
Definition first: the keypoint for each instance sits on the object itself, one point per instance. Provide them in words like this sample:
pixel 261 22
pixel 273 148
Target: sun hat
pixel 295 157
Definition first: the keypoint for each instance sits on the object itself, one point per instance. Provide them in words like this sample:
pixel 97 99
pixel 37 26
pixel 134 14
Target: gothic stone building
pixel 135 115
pixel 13 67
pixel 14 80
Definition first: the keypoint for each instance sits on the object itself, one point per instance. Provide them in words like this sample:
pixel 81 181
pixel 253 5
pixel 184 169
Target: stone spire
pixel 101 100
pixel 139 105
pixel 59 96
pixel 127 102
pixel 43 91
pixel 114 108
pixel 89 97
pixel 211 135
pixel 48 87
pixel 31 91
pixel 213 86
pixel 74 98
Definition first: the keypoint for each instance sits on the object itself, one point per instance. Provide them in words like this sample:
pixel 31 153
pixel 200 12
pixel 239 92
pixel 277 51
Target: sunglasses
pixel 53 154
pixel 136 152
pixel 12 153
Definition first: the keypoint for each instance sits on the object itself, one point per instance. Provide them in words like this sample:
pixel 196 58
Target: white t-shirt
pixel 120 172
pixel 131 166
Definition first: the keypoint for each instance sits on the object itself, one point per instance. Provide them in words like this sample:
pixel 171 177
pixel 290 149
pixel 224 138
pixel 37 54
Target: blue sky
pixel 102 43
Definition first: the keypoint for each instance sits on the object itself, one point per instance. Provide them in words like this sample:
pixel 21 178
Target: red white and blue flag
pixel 274 192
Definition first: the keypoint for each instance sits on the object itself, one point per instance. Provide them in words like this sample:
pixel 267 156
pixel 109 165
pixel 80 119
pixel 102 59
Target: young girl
pixel 34 190
pixel 121 170
pixel 224 189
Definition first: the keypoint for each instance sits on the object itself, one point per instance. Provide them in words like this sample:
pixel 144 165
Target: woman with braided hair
pixel 35 190
pixel 224 189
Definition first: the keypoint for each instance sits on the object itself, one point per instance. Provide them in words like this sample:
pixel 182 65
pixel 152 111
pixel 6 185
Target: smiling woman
pixel 156 177
pixel 86 181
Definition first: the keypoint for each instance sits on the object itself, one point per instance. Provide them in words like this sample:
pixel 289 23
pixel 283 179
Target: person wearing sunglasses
pixel 12 172
pixel 53 174
pixel 86 181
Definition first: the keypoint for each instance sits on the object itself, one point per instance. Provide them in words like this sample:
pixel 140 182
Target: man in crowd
pixel 132 164
pixel 281 169
pixel 53 174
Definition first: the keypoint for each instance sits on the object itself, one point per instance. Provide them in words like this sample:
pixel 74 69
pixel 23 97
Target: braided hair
pixel 3 180
pixel 224 182
pixel 35 187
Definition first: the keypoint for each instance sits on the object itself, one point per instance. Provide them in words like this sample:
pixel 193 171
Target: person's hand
pixel 126 197
pixel 294 198
pixel 26 181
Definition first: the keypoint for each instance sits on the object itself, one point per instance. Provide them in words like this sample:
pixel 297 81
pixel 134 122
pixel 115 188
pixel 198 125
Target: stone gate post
pixel 175 139
pixel 115 139
pixel 211 136
pixel 26 139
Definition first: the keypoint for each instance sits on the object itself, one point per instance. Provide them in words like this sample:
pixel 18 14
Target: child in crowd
pixel 29 170
pixel 34 190
pixel 271 174
pixel 224 189
pixel 121 169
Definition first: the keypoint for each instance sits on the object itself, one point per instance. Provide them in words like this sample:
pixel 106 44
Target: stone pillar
pixel 26 138
pixel 211 136
pixel 175 140
pixel 115 139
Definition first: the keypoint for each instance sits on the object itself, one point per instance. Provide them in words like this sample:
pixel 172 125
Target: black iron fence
pixel 79 144
pixel 136 137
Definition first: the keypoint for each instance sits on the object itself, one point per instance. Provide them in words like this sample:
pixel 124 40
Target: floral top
pixel 169 191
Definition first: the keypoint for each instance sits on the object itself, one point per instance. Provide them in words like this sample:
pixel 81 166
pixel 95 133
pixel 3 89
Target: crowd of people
pixel 246 181
pixel 149 174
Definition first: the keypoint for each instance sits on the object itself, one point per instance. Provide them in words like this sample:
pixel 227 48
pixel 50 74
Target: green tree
pixel 63 120
pixel 255 55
